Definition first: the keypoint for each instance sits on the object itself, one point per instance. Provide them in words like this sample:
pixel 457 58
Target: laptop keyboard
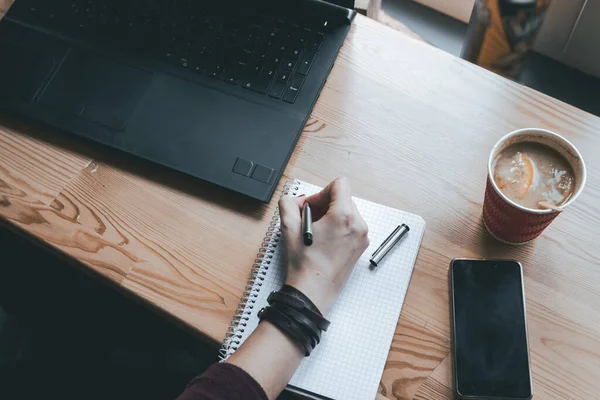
pixel 264 54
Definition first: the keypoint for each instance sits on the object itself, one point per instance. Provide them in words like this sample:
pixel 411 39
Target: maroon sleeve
pixel 223 381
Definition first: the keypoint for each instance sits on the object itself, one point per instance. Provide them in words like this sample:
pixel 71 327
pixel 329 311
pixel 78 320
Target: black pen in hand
pixel 307 232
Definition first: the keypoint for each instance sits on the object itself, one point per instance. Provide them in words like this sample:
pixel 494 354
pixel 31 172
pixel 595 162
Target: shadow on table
pixel 135 165
pixel 69 336
pixel 489 247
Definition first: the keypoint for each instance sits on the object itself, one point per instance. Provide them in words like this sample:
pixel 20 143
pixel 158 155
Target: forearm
pixel 270 357
pixel 318 272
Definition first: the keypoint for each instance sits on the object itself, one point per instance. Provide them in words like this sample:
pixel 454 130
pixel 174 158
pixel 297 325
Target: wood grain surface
pixel 412 127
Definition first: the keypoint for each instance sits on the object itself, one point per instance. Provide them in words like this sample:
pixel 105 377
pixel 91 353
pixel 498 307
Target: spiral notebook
pixel 349 361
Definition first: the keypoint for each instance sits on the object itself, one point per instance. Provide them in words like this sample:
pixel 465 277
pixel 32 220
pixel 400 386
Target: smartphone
pixel 489 327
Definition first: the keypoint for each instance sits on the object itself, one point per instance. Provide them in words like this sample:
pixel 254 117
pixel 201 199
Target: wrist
pixel 317 289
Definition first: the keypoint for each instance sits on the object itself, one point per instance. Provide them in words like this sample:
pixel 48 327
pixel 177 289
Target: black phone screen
pixel 491 357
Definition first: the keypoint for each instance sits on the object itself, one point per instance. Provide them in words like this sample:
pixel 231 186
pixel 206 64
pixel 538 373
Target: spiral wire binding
pixel 257 275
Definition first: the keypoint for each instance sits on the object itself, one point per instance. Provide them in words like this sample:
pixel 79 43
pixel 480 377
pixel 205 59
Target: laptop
pixel 219 90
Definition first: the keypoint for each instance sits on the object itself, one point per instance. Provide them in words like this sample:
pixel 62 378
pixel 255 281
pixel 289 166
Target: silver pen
pixel 307 232
pixel 388 244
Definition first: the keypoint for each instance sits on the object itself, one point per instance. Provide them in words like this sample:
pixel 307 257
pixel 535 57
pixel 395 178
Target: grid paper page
pixel 349 361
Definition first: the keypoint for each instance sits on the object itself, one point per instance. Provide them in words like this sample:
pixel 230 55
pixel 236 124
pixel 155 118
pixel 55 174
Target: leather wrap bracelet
pixel 287 326
pixel 294 314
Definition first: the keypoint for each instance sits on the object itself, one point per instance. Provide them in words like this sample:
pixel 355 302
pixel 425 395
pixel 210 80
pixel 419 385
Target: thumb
pixel 291 218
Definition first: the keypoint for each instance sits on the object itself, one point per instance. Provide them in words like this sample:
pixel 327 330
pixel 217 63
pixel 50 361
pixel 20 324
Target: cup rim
pixel 517 132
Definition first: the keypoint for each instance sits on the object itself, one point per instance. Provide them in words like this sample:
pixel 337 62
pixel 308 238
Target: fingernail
pixel 302 195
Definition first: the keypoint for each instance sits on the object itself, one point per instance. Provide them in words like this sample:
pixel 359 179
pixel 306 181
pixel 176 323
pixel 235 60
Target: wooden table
pixel 412 127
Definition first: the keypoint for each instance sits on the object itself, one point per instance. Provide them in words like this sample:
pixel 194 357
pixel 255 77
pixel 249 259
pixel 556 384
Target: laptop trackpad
pixel 97 89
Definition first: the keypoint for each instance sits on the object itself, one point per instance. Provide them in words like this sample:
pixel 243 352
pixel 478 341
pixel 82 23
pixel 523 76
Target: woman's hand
pixel 319 271
pixel 340 233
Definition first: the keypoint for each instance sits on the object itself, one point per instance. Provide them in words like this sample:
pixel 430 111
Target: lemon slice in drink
pixel 526 177
pixel 515 175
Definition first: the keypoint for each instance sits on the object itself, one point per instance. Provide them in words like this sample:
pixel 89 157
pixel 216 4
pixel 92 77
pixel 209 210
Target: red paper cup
pixel 510 222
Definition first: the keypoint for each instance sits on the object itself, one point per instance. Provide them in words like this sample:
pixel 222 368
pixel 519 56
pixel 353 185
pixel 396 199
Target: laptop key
pixel 269 71
pixel 169 57
pixel 257 84
pixel 262 55
pixel 184 62
pixel 292 89
pixel 290 96
pixel 250 45
pixel 244 59
pixel 281 49
pixel 315 41
pixel 216 71
pixel 199 69
pixel 282 76
pixel 231 76
pixel 277 90
pixel 296 82
pixel 299 37
pixel 254 68
pixel 305 63
pixel 288 64
pixel 293 52
pixel 200 64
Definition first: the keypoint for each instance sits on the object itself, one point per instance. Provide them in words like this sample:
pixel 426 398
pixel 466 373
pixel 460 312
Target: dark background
pixel 64 334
